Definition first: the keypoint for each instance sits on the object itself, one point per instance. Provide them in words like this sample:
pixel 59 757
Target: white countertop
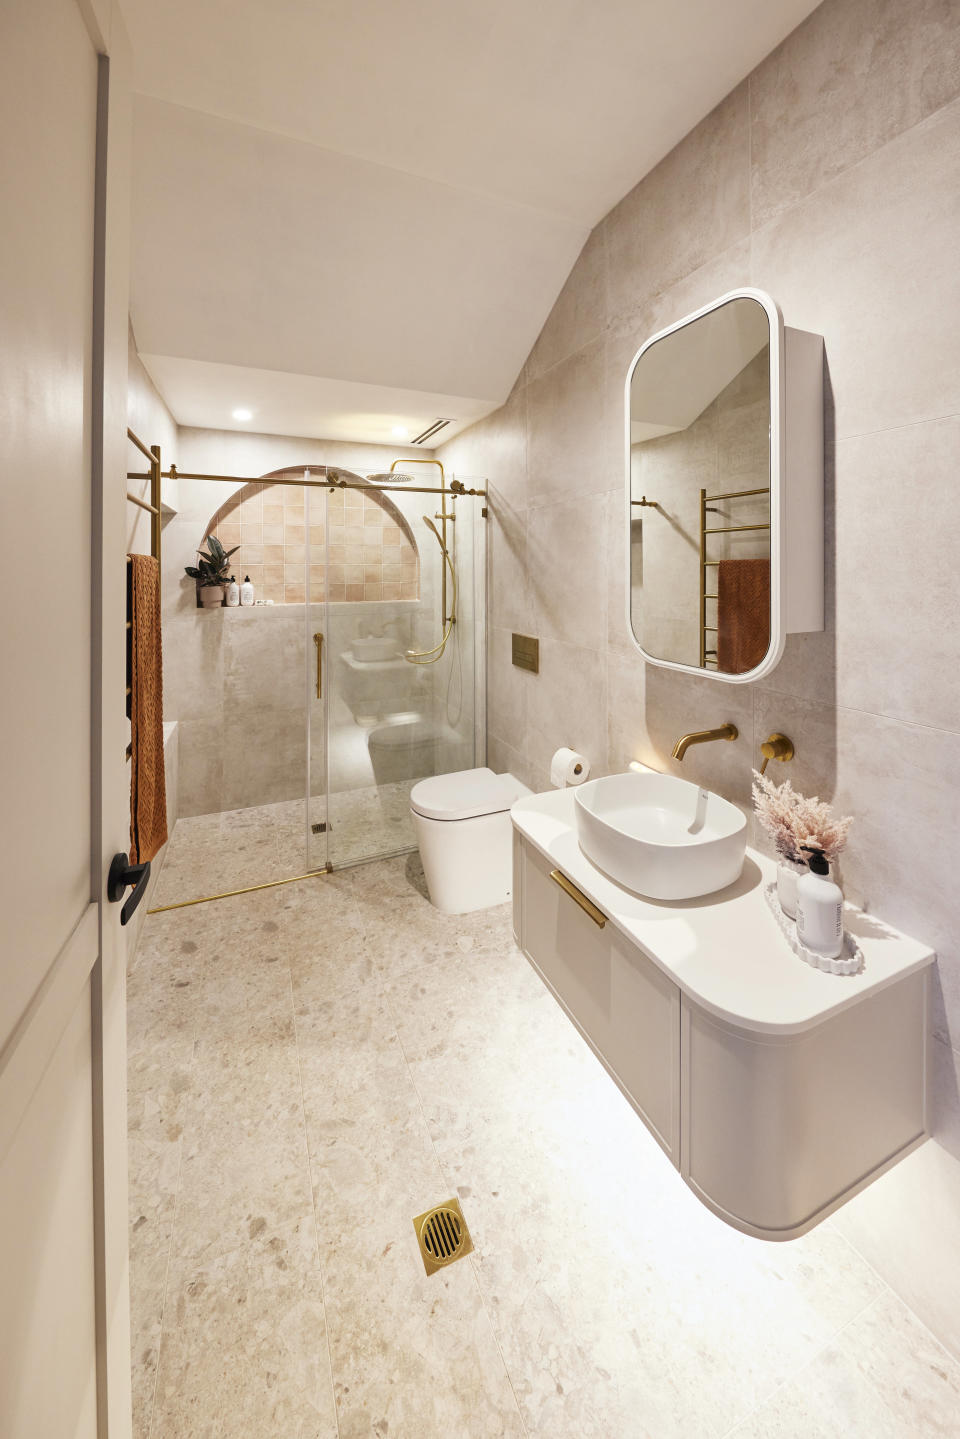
pixel 725 950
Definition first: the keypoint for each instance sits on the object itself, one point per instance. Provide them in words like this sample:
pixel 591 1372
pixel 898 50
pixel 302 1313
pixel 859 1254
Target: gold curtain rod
pixel 174 474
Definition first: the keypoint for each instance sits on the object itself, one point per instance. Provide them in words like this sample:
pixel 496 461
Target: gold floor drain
pixel 443 1235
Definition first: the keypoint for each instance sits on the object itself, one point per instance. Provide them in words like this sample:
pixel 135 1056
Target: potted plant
pixel 792 821
pixel 212 572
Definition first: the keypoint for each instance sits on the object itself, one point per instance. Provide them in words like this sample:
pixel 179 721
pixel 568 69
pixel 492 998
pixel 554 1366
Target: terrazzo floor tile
pixel 244 1348
pixel 884 1376
pixel 313 1065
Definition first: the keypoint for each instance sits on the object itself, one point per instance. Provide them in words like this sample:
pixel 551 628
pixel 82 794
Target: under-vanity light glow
pixel 242 414
pixel 399 432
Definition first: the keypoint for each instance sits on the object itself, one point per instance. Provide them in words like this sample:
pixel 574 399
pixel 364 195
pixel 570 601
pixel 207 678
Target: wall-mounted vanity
pixel 724 489
pixel 775 1089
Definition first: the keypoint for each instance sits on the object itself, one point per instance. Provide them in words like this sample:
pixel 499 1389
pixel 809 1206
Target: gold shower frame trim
pixel 248 889
pixel 174 474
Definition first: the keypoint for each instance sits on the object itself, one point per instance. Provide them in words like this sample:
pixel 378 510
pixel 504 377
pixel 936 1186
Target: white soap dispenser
pixel 246 592
pixel 819 907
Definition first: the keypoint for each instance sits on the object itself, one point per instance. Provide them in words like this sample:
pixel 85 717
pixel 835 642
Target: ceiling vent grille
pixel 429 432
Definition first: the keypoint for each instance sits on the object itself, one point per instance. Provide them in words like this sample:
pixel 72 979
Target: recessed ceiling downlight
pixel 399 432
pixel 242 414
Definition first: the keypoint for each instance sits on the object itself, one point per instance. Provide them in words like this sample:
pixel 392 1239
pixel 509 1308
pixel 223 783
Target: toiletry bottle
pixel 819 907
pixel 246 591
pixel 233 591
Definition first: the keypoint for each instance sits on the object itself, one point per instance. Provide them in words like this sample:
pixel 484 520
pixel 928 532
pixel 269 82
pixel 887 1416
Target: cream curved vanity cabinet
pixel 775 1089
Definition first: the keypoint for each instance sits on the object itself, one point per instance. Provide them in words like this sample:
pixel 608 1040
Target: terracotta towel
pixel 148 789
pixel 743 614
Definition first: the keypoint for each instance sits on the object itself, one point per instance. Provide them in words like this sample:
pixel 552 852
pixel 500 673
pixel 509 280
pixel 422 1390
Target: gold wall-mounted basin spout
pixel 703 736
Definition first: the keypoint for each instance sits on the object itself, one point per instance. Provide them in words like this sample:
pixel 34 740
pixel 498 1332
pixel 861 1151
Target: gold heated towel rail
pixel 706 564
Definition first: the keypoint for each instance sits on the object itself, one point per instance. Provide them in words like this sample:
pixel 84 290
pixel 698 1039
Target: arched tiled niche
pixel 372 551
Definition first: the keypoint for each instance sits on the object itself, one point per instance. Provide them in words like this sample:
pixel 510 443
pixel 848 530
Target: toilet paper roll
pixel 568 767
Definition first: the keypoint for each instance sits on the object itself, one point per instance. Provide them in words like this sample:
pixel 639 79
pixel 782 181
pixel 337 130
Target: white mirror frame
pixel 777 470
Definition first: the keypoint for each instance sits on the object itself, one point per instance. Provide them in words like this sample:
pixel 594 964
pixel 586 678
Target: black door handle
pixel 122 875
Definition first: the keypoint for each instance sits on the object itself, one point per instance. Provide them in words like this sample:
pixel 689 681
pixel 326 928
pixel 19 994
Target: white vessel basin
pixel 659 836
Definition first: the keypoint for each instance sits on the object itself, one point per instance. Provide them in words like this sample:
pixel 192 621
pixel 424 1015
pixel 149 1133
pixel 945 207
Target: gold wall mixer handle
pixel 318 641
pixel 776 746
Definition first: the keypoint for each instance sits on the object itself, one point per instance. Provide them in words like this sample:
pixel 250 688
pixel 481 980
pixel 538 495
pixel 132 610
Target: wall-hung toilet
pixel 462 823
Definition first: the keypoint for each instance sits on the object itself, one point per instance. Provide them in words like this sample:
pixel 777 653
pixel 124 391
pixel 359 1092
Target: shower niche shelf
pixel 775 1089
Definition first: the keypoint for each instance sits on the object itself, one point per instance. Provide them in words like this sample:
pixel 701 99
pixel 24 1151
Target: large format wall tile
pixel 869 262
pixel 579 314
pixel 569 444
pixel 566 553
pixel 898 646
pixel 567 705
pixel 854 75
pixel 695 204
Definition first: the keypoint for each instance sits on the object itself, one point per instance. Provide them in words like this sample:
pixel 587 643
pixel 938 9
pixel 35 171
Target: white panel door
pixel 63 1301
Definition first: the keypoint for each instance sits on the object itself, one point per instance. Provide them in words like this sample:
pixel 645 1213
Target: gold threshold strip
pixel 249 889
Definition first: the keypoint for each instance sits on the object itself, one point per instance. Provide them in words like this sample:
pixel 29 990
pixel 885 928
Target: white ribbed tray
pixel 850 961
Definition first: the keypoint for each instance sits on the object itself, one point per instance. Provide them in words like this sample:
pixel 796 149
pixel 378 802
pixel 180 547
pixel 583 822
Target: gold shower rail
pixel 706 564
pixel 333 481
pixel 155 476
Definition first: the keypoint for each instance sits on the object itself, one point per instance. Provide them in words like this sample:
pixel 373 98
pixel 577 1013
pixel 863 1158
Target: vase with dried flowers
pixel 792 821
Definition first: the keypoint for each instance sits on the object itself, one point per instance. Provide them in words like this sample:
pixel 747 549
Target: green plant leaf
pixel 193 572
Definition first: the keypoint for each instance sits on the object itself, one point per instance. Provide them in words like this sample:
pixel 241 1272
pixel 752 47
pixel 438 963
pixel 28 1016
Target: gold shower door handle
pixel 318 641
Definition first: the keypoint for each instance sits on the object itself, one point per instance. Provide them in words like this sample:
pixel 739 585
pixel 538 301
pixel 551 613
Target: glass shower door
pixel 401 703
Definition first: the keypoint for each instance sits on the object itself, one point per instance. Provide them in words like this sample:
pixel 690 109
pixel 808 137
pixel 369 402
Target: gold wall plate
pixel 526 653
pixel 442 1235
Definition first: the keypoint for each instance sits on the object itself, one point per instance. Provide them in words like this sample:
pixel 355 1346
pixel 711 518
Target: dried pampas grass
pixel 792 821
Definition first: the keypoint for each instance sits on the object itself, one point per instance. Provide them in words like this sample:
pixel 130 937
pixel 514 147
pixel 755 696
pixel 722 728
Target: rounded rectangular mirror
pixel 704 477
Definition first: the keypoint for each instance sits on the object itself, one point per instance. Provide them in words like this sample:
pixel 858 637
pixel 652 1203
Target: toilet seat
pixel 465 794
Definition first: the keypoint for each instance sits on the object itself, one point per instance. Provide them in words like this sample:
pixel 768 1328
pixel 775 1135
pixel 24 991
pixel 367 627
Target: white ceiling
pixel 391 195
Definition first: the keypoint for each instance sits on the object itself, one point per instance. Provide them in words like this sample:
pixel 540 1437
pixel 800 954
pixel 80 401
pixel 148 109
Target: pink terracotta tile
pixel 338 593
pixel 294 554
pixel 355 592
pixel 294 594
pixel 371 591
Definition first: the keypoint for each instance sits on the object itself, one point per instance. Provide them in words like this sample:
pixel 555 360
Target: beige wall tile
pixel 695 204
pixel 869 262
pixel 567 705
pixel 579 314
pixel 569 445
pixel 566 555
pixel 851 77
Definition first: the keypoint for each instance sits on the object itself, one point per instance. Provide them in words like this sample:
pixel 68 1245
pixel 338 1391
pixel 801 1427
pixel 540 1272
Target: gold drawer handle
pixel 588 907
